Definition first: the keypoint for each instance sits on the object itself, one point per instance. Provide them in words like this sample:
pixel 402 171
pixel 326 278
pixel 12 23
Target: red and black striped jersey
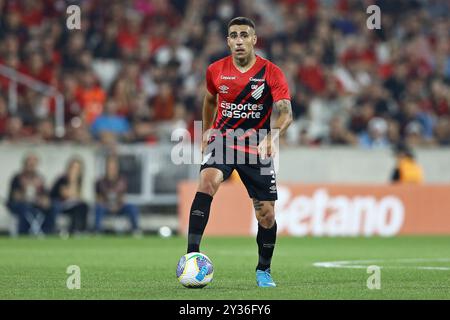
pixel 245 99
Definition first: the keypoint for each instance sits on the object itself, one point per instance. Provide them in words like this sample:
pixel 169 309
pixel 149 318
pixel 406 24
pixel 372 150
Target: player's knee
pixel 266 217
pixel 208 186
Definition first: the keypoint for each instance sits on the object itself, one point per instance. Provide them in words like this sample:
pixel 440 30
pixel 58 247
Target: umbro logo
pixel 198 213
pixel 223 89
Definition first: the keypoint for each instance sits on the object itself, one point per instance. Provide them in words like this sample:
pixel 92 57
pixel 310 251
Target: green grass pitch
pixel 129 268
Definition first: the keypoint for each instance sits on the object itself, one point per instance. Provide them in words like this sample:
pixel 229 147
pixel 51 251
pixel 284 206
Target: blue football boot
pixel 264 279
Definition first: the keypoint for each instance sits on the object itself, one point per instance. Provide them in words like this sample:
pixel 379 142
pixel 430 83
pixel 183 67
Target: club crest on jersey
pixel 223 89
pixel 258 91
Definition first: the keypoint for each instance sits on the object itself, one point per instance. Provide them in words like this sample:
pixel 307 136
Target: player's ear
pixel 255 39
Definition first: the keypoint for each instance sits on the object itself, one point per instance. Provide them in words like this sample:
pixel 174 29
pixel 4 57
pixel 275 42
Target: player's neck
pixel 244 64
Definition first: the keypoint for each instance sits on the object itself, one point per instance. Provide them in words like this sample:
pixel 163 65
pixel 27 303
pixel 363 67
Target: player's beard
pixel 244 60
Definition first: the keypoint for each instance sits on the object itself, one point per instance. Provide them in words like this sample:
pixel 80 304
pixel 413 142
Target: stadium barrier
pixel 329 210
pixel 152 176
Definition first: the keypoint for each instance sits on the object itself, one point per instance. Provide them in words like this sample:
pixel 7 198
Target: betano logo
pixel 325 215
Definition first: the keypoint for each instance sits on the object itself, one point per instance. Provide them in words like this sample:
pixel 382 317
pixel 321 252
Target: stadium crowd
pixel 136 68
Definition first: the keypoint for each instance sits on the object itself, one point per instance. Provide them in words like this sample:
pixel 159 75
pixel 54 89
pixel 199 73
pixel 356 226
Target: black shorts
pixel 257 175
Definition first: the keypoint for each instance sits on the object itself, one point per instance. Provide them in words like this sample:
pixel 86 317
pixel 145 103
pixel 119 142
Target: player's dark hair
pixel 241 21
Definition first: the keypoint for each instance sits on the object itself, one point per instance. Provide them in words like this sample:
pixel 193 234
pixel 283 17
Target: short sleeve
pixel 278 84
pixel 210 82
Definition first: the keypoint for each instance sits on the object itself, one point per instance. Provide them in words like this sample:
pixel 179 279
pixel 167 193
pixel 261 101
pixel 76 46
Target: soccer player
pixel 242 90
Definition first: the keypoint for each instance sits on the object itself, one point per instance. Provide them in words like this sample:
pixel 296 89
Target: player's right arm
pixel 208 115
pixel 209 107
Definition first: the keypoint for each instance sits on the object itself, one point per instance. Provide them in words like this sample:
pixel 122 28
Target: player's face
pixel 241 40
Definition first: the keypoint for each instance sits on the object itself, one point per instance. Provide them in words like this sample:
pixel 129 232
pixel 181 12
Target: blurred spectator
pixel 442 131
pixel 45 131
pixel 127 86
pixel 72 105
pixel 393 132
pixel 376 135
pixel 72 51
pixel 311 74
pixel 78 132
pixel 396 83
pixel 413 134
pixel 15 131
pixel 143 128
pixel 11 46
pixel 440 98
pixel 35 67
pixel 128 35
pixel 12 23
pixel 90 96
pixel 110 123
pixel 29 200
pixel 416 124
pixel 175 51
pixel 339 134
pixel 163 104
pixel 66 195
pixel 111 190
pixel 407 170
pixel 360 117
pixel 108 48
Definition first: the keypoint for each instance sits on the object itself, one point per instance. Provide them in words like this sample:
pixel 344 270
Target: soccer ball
pixel 195 270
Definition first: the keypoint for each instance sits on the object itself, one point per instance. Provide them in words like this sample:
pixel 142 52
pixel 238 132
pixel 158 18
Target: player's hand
pixel 266 148
pixel 205 138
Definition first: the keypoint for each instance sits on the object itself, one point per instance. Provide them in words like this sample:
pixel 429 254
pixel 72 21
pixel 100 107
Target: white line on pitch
pixel 363 264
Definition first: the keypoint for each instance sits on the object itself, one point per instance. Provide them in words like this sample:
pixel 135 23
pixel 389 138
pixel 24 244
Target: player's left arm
pixel 267 147
pixel 281 96
pixel 284 120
